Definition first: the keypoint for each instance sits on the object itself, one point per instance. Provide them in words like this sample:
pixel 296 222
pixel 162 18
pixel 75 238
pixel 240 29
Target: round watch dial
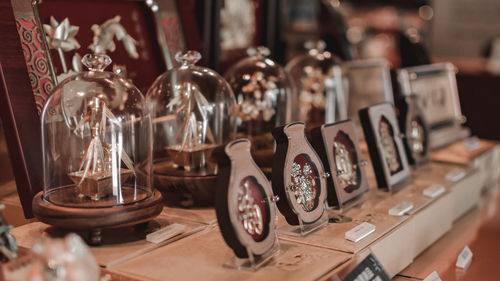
pixel 305 183
pixel 389 149
pixel 253 212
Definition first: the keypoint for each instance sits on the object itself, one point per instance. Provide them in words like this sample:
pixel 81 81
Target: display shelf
pixel 485 155
pixel 373 210
pixel 201 257
pixel 479 230
pixel 121 244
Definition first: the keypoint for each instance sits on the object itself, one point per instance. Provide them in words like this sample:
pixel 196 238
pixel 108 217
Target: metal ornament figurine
pixel 106 32
pixel 8 245
pixel 298 176
pixel 95 176
pixel 245 206
pixel 61 37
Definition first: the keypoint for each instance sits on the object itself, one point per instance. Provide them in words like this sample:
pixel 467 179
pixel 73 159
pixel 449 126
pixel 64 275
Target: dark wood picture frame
pixel 18 109
pixel 373 119
pixel 323 139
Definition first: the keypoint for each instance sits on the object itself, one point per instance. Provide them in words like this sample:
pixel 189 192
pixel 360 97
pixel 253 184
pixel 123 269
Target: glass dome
pixel 96 132
pixel 194 111
pixel 318 79
pixel 265 98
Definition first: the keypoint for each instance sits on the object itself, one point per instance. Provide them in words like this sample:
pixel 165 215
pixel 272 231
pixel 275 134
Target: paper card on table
pixel 434 190
pixel 401 209
pixel 359 232
pixel 434 276
pixel 455 175
pixel 465 258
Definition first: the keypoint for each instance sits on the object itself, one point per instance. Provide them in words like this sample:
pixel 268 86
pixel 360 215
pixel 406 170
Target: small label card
pixel 455 175
pixel 434 190
pixel 434 276
pixel 401 209
pixel 359 232
pixel 165 233
pixel 368 270
pixel 472 143
pixel 465 258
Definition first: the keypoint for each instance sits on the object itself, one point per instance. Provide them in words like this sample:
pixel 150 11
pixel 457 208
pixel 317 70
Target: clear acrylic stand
pixel 253 262
pixel 303 228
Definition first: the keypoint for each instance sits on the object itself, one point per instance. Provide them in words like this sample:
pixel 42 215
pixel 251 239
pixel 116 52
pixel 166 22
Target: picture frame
pixel 337 145
pixel 19 103
pixel 385 145
pixel 416 131
pixel 369 83
pixel 245 207
pixel 241 24
pixel 144 22
pixel 435 87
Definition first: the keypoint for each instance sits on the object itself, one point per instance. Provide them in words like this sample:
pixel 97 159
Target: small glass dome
pixel 96 132
pixel 318 80
pixel 194 111
pixel 265 98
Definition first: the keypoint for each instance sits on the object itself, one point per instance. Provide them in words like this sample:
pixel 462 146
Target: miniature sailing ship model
pixel 97 139
pixel 194 111
pixel 94 179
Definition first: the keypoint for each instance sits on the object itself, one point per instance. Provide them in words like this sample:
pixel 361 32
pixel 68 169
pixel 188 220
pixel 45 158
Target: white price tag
pixel 434 276
pixel 472 143
pixel 165 233
pixel 359 232
pixel 465 258
pixel 434 190
pixel 455 175
pixel 401 209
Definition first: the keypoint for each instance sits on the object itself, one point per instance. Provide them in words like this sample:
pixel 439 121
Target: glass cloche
pixel 318 78
pixel 194 111
pixel 266 99
pixel 97 143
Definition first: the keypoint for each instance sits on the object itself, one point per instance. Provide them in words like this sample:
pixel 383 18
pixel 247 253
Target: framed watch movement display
pixel 416 131
pixel 369 83
pixel 299 179
pixel 385 145
pixel 435 87
pixel 245 204
pixel 338 147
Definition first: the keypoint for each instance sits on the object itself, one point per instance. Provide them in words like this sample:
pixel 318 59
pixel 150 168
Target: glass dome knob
pixel 96 62
pixel 188 58
pixel 259 51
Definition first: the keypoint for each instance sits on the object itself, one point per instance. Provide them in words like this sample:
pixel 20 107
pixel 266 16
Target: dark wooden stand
pixel 95 220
